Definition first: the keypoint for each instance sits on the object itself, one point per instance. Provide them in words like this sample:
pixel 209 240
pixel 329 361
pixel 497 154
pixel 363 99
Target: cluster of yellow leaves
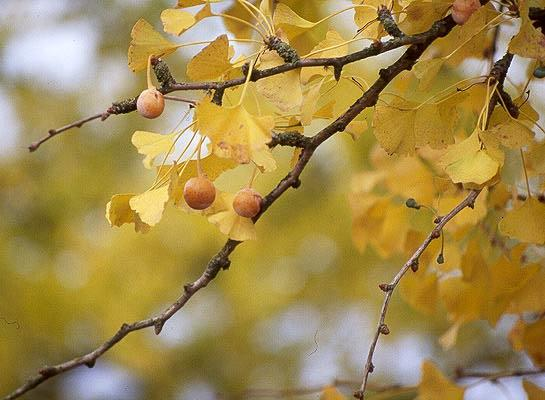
pixel 146 209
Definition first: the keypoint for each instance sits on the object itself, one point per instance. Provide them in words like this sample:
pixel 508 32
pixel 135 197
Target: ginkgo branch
pixel 168 84
pixel 221 260
pixel 497 76
pixel 389 288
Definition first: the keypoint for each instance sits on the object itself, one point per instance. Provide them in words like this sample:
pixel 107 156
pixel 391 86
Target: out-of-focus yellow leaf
pixel 434 385
pixel 331 393
pixel 289 22
pixel 529 42
pixel 150 205
pixel 147 42
pixel 119 212
pixel 356 128
pixel 228 221
pixel 533 391
pixel 237 134
pixel 282 90
pixel 239 30
pixel 507 278
pixel 211 62
pixel 176 21
pixel 379 222
pixel 332 39
pixel 402 126
pixel 526 222
pixel 535 158
pixel 152 145
pixel 533 337
pixel 469 162
pixel 420 290
pixel 530 298
pixel 419 15
pixel 513 134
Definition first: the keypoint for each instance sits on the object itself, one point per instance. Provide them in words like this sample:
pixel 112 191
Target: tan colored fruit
pixel 247 203
pixel 150 103
pixel 199 193
pixel 463 9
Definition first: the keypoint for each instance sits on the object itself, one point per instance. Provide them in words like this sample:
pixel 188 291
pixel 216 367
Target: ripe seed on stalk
pixel 463 9
pixel 150 103
pixel 247 203
pixel 199 193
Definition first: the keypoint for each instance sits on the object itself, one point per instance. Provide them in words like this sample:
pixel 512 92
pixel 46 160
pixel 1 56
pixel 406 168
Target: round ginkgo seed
pixel 150 103
pixel 247 203
pixel 199 193
pixel 463 9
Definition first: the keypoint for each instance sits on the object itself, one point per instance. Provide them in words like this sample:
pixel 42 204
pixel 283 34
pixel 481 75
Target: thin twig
pixel 493 376
pixel 76 124
pixel 387 391
pixel 389 288
pixel 180 99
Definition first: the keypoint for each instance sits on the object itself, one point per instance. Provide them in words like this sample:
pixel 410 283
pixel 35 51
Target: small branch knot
pixel 414 265
pixel 123 106
pixel 387 21
pixel 386 287
pixel 162 73
pixel 284 50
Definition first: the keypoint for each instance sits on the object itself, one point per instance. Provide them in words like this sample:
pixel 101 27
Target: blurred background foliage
pixel 296 309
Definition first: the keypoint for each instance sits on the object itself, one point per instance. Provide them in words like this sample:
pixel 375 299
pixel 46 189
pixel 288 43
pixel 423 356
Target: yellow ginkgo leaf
pixel 420 290
pixel 274 88
pixel 434 385
pixel 469 162
pixel 152 144
pixel 289 22
pixel 525 223
pixel 331 393
pixel 366 18
pixel 530 298
pixel 191 3
pixel 426 71
pixel 211 62
pixel 332 46
pixel 529 42
pixel 147 42
pixel 420 15
pixel 228 221
pixel 533 391
pixel 176 21
pixel 310 101
pixel 150 205
pixel 237 134
pixel 470 39
pixel 119 212
pixel 400 126
pixel 512 134
pixel 240 31
pixel 533 337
